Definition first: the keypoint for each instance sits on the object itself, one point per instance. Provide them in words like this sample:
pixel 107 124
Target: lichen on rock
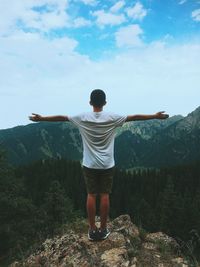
pixel 123 248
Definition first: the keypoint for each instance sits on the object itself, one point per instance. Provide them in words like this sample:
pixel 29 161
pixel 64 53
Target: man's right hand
pixel 35 117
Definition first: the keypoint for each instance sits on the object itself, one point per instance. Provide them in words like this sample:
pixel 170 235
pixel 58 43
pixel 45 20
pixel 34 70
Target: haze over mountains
pixel 152 143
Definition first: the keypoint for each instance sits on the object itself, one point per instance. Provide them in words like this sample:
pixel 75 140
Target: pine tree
pixel 17 213
pixel 145 215
pixel 166 206
pixel 57 206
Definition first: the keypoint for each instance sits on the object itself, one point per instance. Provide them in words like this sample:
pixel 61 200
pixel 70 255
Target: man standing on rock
pixel 97 129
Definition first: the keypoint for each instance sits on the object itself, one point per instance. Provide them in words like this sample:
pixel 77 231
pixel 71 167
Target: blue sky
pixel 144 54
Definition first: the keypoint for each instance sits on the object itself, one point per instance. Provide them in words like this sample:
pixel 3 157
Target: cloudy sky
pixel 144 54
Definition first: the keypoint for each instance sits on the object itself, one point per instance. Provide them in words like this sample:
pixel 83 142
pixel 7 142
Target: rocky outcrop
pixel 125 247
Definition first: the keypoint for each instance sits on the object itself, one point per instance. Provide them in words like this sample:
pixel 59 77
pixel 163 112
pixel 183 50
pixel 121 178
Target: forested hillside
pixel 33 142
pixel 152 143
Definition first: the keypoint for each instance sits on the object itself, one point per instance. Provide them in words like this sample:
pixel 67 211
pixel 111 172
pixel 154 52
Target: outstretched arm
pixel 158 115
pixel 37 117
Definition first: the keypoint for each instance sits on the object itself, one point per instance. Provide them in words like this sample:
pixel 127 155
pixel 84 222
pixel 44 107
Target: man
pixel 97 129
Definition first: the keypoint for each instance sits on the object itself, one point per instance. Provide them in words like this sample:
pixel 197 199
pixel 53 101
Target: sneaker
pixel 103 234
pixel 93 235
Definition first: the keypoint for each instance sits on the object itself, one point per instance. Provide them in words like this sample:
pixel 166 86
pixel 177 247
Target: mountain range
pixel 152 143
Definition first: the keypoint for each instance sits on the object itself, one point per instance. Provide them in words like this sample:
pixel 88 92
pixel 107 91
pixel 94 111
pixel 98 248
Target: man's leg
pixel 91 210
pixel 104 209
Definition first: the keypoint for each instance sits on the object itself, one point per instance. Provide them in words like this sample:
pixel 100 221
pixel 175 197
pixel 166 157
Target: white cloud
pixel 106 18
pixel 136 12
pixel 182 2
pixel 196 15
pixel 40 15
pixel 129 36
pixel 48 76
pixel 116 7
pixel 47 21
pixel 27 14
pixel 81 22
pixel 89 2
pixel 30 49
pixel 39 75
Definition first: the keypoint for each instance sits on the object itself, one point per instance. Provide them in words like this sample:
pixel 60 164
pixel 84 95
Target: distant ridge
pixel 152 143
pixel 177 143
pixel 43 140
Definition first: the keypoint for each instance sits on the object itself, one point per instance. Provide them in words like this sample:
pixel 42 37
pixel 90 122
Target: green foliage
pixel 164 248
pixel 43 140
pixel 190 248
pixel 152 143
pixel 142 233
pixel 57 207
pixel 135 246
pixel 167 199
pixel 46 197
pixel 32 209
pixel 18 216
pixel 78 225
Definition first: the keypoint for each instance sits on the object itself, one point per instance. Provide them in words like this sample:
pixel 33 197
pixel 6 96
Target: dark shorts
pixel 98 180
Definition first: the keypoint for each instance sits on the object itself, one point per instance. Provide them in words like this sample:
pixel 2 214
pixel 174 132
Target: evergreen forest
pixel 36 200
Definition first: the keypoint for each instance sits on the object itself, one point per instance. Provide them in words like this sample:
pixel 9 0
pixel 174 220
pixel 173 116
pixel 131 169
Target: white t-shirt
pixel 97 130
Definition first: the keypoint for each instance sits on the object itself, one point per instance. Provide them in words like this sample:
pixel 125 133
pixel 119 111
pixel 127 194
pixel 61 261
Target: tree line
pixel 37 199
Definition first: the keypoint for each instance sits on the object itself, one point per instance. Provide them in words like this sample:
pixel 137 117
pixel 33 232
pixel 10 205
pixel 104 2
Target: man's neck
pixel 95 109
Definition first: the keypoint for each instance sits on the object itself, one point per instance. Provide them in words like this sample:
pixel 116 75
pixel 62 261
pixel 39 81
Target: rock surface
pixel 125 247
